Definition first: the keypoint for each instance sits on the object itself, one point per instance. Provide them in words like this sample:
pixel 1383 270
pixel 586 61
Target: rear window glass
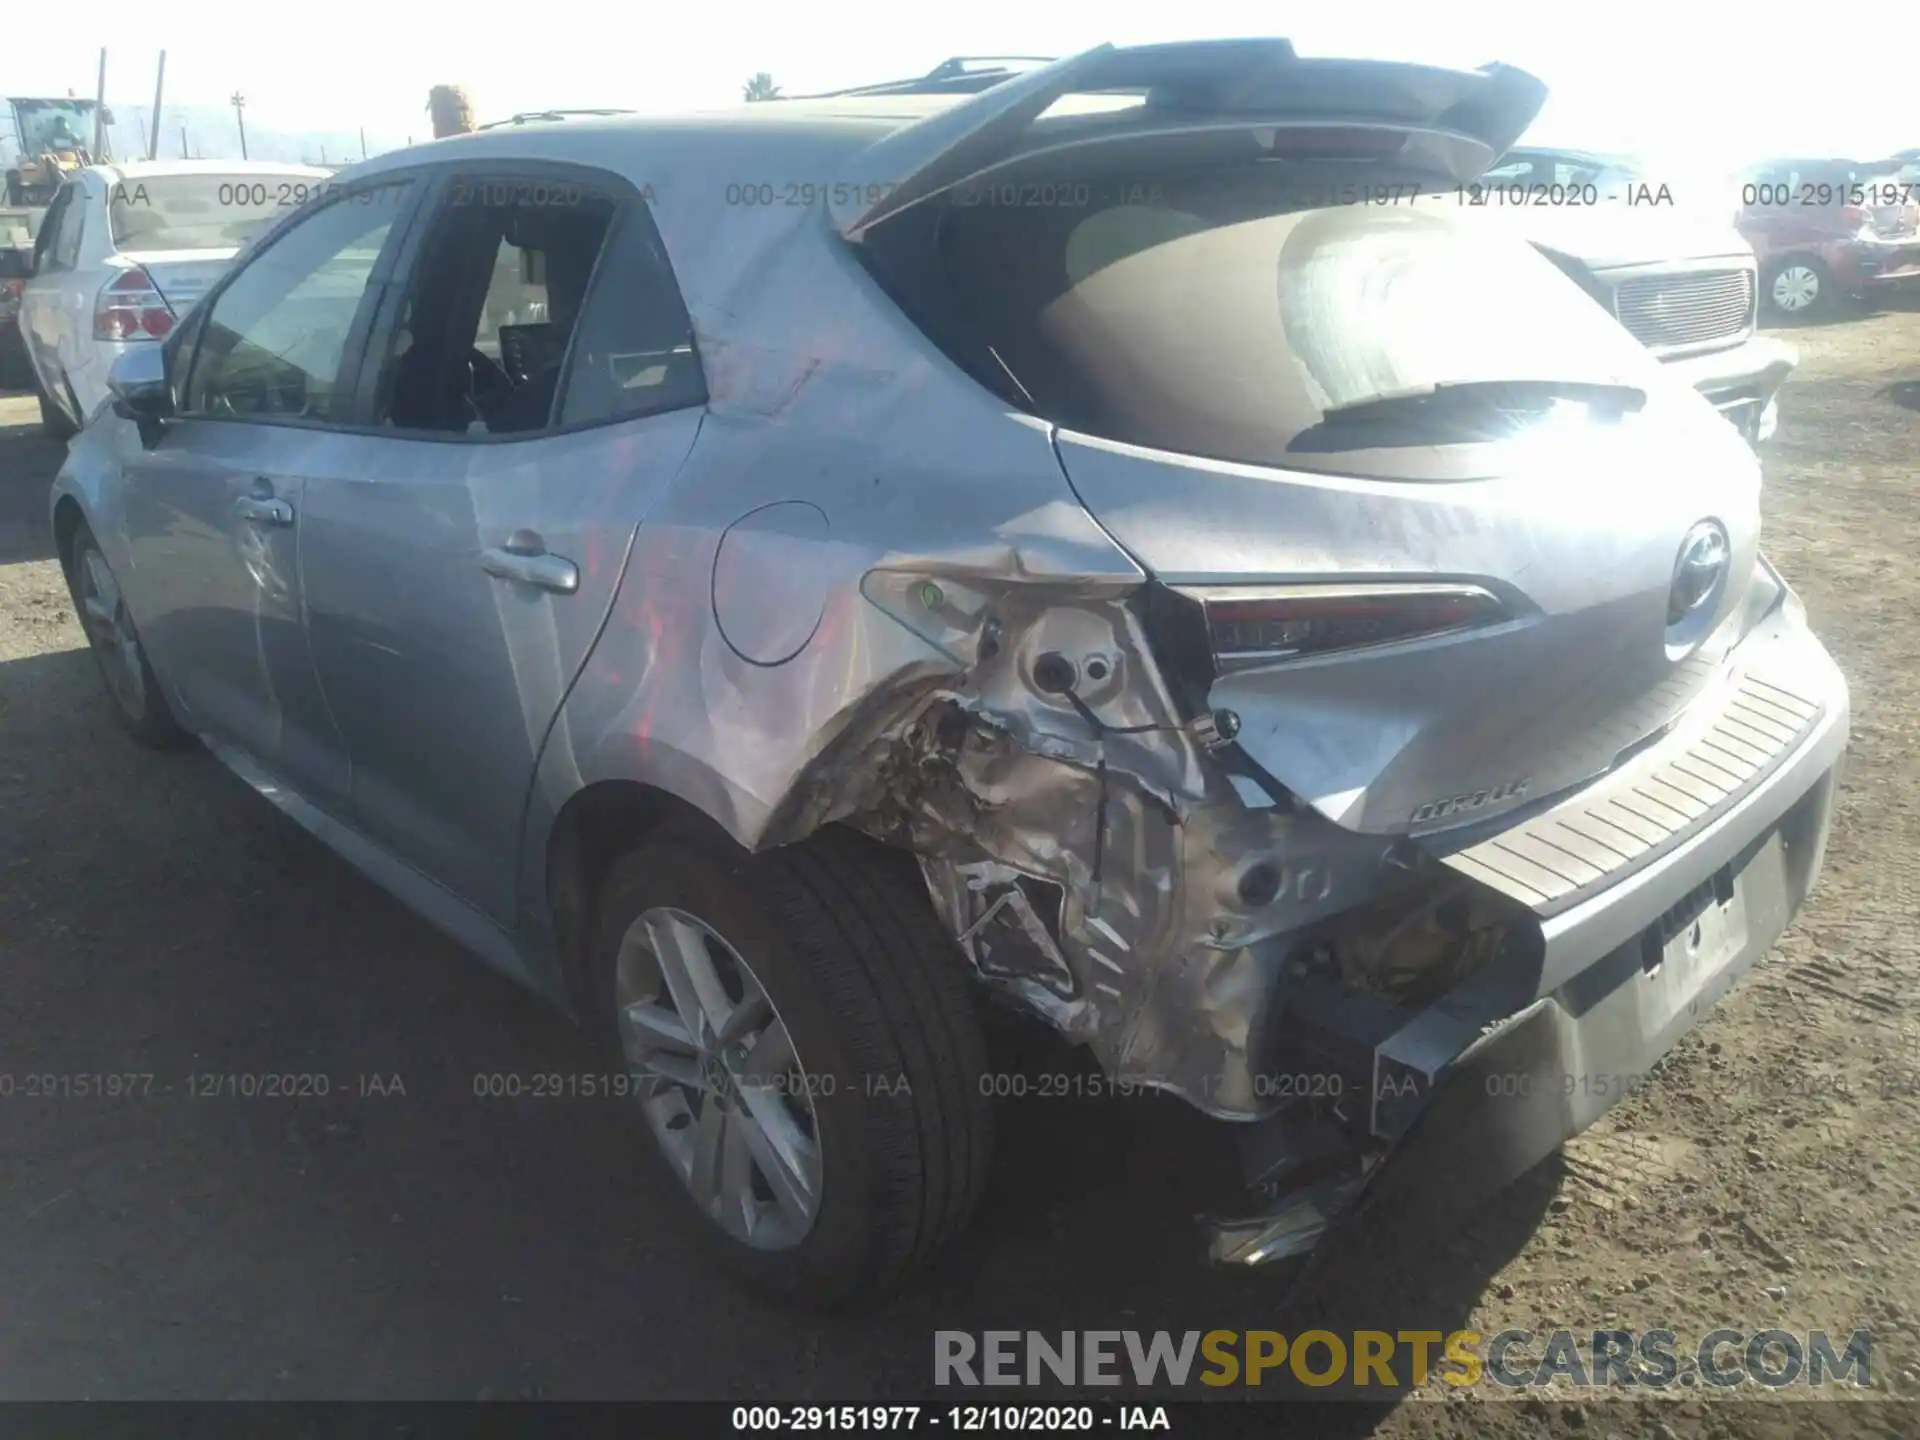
pixel 1224 315
pixel 202 212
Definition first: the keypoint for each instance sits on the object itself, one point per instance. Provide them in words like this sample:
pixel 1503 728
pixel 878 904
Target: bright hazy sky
pixel 1697 83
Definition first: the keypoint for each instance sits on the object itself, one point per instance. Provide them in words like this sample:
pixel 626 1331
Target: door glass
pixel 484 326
pixel 275 337
pixel 516 295
pixel 634 354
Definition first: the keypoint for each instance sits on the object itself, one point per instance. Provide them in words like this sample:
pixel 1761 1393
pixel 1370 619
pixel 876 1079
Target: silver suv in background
pixel 1661 255
pixel 760 579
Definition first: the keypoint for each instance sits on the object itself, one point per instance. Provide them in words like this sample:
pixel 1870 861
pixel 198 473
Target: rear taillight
pixel 131 308
pixel 13 288
pixel 1252 626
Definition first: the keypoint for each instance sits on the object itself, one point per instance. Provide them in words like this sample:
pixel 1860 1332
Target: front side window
pixel 201 211
pixel 275 337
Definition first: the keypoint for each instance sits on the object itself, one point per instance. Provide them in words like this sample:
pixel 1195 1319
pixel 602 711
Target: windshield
pixel 202 212
pixel 1225 316
pixel 53 126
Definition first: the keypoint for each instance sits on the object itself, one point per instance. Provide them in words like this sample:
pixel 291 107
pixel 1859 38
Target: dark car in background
pixel 1827 228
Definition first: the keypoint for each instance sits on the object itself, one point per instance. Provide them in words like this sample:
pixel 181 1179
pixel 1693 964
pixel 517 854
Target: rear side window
pixel 1224 314
pixel 536 306
pixel 482 332
pixel 634 351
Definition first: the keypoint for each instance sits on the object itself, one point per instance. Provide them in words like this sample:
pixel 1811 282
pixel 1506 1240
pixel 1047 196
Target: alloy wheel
pixel 1795 288
pixel 718 1078
pixel 103 611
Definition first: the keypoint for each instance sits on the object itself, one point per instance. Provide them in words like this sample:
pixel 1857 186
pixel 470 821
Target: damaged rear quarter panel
pixel 797 675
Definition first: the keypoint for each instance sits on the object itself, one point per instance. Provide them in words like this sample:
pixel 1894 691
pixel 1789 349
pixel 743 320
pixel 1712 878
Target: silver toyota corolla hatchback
pixel 1081 535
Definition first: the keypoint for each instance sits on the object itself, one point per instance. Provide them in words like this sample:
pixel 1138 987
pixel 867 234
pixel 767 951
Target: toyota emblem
pixel 1704 557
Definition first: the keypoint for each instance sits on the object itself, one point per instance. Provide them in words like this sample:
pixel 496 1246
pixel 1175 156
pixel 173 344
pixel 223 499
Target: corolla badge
pixel 1704 557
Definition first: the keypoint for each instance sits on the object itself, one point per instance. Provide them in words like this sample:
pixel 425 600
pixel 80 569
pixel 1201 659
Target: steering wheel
pixel 491 383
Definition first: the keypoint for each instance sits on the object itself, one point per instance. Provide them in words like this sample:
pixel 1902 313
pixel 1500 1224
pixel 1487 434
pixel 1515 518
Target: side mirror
pixel 138 383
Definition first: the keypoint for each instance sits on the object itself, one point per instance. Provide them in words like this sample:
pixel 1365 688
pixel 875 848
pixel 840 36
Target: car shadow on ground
pixel 1904 393
pixel 28 463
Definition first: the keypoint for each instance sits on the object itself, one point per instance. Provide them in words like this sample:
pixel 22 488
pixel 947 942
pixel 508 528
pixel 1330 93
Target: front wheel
pixel 804 1050
pixel 138 703
pixel 1797 287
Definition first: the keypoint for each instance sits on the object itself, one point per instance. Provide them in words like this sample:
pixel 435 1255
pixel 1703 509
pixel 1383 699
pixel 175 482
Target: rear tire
pixel 887 1090
pixel 135 695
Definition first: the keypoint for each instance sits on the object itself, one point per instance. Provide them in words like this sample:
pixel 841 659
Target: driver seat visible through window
pixel 482 335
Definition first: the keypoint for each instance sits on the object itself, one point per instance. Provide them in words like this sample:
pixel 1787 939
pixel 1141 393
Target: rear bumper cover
pixel 1494 1075
pixel 1600 865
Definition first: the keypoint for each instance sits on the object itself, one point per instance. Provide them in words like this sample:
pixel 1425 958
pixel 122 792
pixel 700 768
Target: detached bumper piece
pixel 1642 918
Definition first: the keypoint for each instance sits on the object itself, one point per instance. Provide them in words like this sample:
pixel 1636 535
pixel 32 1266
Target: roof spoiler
pixel 1217 82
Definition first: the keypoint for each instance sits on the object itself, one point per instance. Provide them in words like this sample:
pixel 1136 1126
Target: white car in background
pixel 123 252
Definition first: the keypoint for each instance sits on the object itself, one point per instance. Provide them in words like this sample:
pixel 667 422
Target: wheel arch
pixel 596 825
pixel 68 517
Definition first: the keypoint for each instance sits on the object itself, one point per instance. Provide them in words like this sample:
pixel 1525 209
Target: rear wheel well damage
pixel 1083 838
pixel 1086 846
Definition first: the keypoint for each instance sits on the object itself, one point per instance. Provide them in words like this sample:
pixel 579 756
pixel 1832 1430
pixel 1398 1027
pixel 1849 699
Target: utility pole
pixel 363 142
pixel 100 111
pixel 184 155
pixel 239 103
pixel 159 84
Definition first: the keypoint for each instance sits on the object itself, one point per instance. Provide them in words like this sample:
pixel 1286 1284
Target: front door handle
pixel 524 558
pixel 264 509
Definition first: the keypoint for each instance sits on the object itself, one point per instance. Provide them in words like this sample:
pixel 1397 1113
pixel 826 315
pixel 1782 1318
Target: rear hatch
pixel 1438 531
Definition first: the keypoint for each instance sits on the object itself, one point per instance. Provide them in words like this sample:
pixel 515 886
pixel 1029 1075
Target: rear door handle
pixel 264 509
pixel 524 558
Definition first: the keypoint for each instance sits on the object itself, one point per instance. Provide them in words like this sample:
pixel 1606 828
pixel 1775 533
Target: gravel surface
pixel 400 1236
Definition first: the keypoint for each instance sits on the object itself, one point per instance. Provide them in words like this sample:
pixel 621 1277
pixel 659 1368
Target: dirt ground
pixel 158 918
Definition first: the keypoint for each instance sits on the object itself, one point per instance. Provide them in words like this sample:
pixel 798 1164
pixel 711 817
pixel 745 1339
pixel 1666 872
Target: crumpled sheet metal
pixel 1172 978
